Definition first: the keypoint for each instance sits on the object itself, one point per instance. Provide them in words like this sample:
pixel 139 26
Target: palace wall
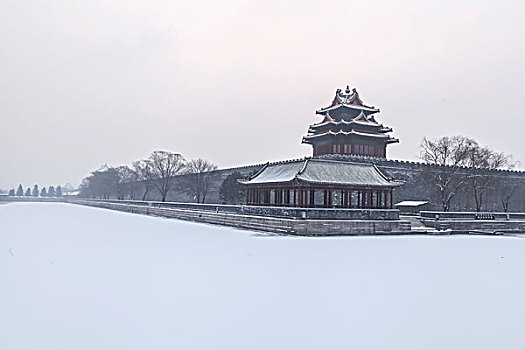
pixel 416 185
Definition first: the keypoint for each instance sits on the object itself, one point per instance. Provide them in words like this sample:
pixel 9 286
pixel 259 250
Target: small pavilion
pixel 320 183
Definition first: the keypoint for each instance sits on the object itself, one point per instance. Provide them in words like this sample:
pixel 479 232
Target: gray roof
pixel 319 171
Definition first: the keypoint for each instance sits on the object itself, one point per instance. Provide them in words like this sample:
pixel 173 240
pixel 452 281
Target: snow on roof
pixel 102 169
pixel 361 108
pixel 279 172
pixel 348 98
pixel 317 171
pixel 352 132
pixel 410 203
pixel 361 118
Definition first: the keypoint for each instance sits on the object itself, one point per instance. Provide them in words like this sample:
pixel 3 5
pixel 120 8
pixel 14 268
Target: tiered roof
pixel 346 116
pixel 361 120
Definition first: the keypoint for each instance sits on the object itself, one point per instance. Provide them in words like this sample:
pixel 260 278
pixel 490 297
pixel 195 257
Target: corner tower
pixel 349 127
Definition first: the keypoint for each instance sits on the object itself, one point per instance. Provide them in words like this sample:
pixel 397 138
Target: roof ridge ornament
pixel 303 168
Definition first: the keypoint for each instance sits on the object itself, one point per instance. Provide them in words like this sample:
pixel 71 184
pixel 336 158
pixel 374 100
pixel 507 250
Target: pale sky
pixel 84 83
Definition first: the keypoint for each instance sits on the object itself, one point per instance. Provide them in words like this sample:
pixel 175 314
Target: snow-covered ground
pixel 75 277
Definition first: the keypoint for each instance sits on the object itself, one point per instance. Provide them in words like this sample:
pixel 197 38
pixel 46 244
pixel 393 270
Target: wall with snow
pixel 416 186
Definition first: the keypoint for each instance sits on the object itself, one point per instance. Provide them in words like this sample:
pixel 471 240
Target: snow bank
pixel 75 277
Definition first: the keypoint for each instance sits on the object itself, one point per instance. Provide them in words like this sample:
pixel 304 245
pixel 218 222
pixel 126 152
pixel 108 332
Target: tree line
pixel 155 173
pixel 51 191
pixel 458 165
pixel 462 166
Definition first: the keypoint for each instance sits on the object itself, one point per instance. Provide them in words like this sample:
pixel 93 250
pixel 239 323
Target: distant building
pixel 103 169
pixel 72 194
pixel 349 127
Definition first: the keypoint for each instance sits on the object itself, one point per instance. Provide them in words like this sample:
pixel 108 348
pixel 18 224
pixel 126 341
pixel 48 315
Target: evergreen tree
pixel 12 192
pixel 36 192
pixel 59 191
pixel 231 191
pixel 43 193
pixel 19 191
pixel 51 192
pixel 28 192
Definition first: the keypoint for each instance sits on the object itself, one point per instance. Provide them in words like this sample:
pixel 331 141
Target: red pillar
pixel 305 195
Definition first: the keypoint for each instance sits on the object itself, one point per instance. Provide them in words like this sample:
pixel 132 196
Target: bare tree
pixel 199 178
pixel 506 191
pixel 164 166
pixel 145 175
pixel 449 156
pixel 125 175
pixel 482 163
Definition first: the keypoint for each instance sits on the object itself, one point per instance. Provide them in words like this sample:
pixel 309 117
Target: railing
pixel 284 212
pixel 497 216
pixel 288 225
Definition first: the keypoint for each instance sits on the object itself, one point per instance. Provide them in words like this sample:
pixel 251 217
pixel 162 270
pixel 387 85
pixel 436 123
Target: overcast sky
pixel 84 83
